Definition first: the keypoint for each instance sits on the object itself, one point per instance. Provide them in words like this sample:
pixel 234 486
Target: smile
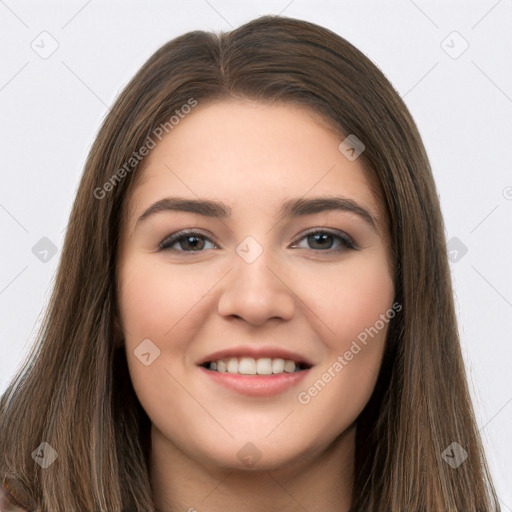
pixel 252 366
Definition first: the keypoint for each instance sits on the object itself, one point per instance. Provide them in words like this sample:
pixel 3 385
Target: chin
pixel 254 456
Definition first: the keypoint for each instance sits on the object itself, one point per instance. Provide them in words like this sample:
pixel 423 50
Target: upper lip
pixel 256 353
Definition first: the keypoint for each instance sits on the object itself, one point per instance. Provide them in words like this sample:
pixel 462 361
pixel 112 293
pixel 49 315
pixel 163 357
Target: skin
pixel 308 298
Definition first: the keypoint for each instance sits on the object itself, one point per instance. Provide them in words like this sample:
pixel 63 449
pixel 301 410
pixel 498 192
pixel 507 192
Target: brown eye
pixel 325 240
pixel 187 241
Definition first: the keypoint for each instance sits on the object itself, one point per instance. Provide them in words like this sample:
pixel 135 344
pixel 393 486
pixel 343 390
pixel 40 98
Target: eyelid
pixel 347 240
pixel 330 231
pixel 174 237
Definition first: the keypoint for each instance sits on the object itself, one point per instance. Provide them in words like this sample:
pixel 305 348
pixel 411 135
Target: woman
pixel 254 294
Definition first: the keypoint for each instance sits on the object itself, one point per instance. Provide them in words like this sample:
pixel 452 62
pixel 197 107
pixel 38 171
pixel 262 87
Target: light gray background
pixel 52 107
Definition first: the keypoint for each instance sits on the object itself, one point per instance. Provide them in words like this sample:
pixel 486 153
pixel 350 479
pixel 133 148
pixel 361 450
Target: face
pixel 254 326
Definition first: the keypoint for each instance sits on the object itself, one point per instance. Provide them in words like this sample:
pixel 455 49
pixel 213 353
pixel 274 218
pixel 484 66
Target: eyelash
pixel 346 241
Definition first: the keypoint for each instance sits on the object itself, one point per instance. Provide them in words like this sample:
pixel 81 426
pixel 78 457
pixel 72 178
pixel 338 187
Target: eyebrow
pixel 291 208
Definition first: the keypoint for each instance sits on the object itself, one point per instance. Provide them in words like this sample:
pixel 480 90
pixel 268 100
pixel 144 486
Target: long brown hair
pixel 74 390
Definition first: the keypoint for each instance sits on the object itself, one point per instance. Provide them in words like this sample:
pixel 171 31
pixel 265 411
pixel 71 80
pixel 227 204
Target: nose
pixel 257 291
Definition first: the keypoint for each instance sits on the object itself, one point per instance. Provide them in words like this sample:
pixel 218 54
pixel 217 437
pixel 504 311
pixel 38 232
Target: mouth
pixel 255 366
pixel 256 371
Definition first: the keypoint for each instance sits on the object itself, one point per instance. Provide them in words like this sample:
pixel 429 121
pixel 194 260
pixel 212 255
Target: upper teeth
pixel 250 366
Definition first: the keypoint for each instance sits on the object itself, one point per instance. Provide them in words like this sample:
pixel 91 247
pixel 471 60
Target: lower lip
pixel 257 385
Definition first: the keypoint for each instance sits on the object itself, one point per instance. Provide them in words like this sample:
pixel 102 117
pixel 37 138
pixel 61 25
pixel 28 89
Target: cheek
pixel 358 311
pixel 162 306
pixel 367 296
pixel 351 299
pixel 153 302
pixel 154 306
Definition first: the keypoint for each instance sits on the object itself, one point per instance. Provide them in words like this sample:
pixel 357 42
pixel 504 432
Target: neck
pixel 323 483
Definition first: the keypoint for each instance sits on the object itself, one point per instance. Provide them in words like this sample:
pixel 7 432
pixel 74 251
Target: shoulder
pixel 7 502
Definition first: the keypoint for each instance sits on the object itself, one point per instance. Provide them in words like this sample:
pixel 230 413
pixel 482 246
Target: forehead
pixel 252 156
